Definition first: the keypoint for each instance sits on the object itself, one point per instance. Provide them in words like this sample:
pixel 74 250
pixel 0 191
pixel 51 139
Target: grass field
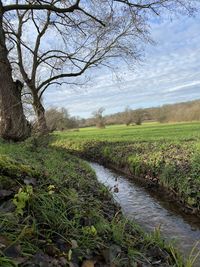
pixel 145 132
pixel 168 154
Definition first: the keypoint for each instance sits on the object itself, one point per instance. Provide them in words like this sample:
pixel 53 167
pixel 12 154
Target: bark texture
pixel 40 113
pixel 13 124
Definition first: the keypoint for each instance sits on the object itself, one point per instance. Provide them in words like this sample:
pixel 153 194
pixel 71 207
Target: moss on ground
pixel 53 212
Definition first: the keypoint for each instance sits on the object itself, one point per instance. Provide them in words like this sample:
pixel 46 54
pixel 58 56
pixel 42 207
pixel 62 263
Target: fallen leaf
pixel 74 244
pixel 88 263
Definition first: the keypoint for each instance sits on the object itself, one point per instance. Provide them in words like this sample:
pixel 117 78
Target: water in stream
pixel 150 212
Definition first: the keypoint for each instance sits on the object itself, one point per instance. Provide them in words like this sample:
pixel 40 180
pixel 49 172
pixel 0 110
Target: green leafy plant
pixel 90 230
pixel 21 198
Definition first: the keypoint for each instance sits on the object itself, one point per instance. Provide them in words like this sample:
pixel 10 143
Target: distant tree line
pixel 186 111
pixel 60 119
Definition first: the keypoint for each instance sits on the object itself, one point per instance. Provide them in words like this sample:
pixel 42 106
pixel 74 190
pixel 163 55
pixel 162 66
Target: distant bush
pixel 60 120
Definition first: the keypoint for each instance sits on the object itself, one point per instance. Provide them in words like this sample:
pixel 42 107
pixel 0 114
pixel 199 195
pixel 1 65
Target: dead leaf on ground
pixel 74 244
pixel 88 263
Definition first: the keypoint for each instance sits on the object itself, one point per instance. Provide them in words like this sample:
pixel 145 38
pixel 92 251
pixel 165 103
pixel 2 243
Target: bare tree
pixel 68 37
pixel 98 118
pixel 138 116
pixel 59 119
pixel 127 116
pixel 94 40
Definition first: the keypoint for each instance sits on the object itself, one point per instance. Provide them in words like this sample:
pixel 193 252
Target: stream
pixel 151 211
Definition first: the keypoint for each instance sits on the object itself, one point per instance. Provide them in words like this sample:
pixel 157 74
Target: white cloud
pixel 170 73
pixel 180 87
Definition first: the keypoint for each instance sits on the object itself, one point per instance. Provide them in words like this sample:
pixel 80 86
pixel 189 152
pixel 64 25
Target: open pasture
pixel 145 132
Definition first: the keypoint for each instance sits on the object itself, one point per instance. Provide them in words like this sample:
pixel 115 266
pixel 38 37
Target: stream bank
pixel 168 196
pixel 170 168
pixel 150 211
pixel 54 213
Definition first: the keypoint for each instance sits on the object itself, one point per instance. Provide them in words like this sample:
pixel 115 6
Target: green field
pixel 145 132
pixel 168 154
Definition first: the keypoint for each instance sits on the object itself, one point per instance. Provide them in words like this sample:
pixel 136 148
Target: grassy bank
pixel 163 154
pixel 53 212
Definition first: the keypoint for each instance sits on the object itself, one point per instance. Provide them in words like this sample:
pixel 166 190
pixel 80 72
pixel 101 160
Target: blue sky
pixel 169 73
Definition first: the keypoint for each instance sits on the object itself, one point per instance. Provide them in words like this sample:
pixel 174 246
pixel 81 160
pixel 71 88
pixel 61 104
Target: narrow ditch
pixel 151 212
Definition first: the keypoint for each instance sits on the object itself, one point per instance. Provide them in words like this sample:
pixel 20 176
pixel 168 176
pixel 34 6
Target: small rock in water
pixel 116 189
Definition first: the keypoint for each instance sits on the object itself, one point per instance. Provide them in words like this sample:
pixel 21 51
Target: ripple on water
pixel 149 212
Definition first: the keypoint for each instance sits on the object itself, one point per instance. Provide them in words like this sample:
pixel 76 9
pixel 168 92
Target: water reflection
pixel 150 212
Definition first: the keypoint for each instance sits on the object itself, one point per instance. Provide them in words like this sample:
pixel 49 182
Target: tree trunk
pixel 40 113
pixel 13 124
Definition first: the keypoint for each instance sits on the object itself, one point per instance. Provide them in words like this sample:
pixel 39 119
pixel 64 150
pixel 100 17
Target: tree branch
pixel 52 8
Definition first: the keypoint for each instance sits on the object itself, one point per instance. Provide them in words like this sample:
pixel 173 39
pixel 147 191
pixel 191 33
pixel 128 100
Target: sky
pixel 169 73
